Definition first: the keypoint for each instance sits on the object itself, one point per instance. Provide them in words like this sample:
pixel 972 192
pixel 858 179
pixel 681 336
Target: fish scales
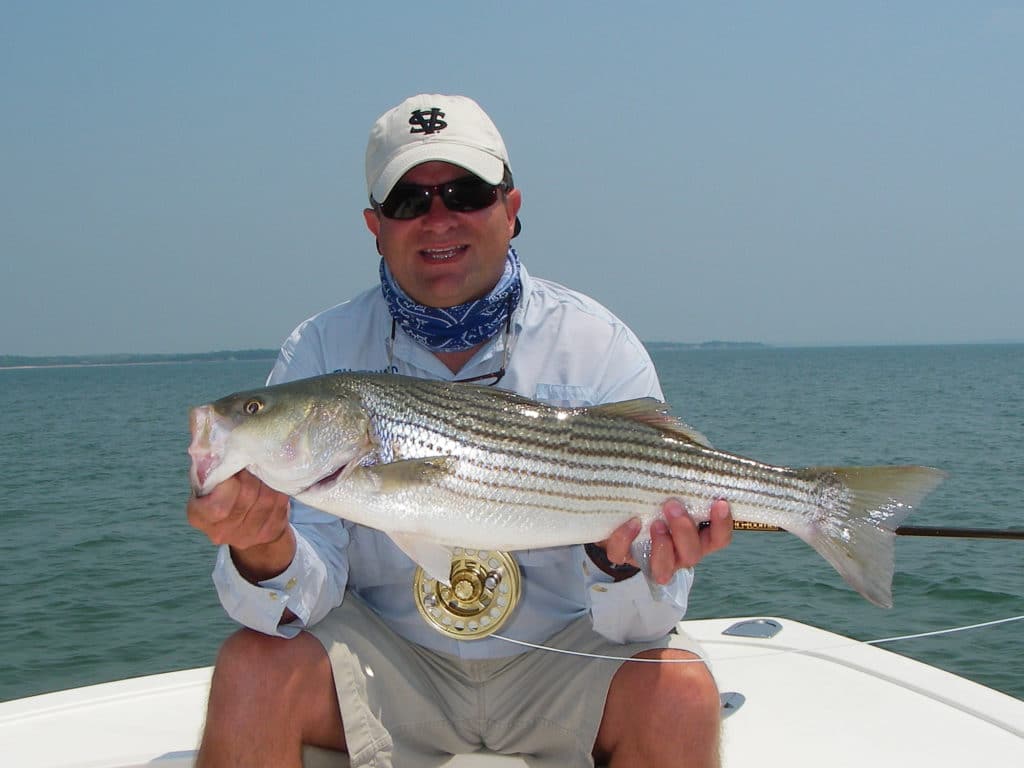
pixel 605 458
pixel 595 461
pixel 462 465
pixel 595 457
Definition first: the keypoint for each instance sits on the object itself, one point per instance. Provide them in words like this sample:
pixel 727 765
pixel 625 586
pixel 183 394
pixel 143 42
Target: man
pixel 340 657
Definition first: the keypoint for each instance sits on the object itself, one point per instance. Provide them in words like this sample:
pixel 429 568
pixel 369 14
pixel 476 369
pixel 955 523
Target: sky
pixel 188 176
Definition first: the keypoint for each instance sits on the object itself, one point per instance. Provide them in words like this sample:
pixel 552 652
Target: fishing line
pixel 837 646
pixel 945 631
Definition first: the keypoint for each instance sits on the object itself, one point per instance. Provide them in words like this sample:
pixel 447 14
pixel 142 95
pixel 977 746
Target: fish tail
pixel 854 526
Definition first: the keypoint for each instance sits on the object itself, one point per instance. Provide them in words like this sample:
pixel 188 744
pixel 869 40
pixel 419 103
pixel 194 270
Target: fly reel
pixel 484 591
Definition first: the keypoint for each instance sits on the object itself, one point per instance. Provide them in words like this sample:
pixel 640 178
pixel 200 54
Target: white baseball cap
pixel 451 129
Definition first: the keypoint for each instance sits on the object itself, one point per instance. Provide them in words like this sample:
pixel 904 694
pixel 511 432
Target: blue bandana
pixel 455 328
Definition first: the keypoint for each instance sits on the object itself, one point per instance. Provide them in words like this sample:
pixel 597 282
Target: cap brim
pixel 478 162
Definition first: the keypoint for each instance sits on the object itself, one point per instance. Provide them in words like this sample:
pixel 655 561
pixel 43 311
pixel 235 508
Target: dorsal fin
pixel 653 413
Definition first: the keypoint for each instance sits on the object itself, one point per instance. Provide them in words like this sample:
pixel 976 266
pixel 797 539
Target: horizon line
pixel 263 353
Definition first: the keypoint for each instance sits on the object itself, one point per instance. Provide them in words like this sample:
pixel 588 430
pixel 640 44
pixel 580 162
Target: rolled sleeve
pixel 249 604
pixel 312 584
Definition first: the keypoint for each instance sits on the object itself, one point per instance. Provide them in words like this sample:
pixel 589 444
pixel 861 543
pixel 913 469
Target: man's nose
pixel 438 216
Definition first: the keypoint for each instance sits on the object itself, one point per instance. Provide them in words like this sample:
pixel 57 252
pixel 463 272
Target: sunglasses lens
pixel 466 195
pixel 406 202
pixel 409 201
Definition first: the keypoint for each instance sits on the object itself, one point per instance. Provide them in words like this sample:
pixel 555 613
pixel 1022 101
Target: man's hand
pixel 676 541
pixel 250 517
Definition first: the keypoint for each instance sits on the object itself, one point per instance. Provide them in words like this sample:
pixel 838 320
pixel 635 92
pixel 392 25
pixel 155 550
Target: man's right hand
pixel 251 518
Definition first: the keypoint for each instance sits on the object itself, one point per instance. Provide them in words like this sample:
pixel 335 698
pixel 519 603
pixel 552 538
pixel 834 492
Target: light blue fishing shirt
pixel 565 349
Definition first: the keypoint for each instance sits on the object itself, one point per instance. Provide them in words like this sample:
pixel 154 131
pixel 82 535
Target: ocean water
pixel 102 578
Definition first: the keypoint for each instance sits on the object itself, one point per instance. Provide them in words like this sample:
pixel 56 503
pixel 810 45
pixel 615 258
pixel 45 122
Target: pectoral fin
pixel 401 475
pixel 433 558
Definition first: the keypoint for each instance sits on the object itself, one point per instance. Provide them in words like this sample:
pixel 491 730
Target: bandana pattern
pixel 455 328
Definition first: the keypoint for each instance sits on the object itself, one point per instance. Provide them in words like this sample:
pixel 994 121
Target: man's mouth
pixel 443 254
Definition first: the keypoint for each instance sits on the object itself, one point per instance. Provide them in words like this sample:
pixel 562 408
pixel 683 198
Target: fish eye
pixel 253 406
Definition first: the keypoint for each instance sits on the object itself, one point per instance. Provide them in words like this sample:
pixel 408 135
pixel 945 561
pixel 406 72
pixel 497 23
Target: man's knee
pixel 680 687
pixel 246 648
pixel 656 711
pixel 686 683
pixel 250 657
pixel 258 680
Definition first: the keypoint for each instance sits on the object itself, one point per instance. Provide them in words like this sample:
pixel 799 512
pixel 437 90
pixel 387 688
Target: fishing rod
pixel 912 530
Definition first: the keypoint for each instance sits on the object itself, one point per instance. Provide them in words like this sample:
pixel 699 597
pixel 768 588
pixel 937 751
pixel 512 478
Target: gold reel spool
pixel 485 589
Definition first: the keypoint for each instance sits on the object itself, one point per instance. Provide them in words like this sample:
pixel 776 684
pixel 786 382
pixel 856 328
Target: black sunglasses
pixel 465 195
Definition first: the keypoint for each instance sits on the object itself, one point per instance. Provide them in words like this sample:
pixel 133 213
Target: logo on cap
pixel 428 123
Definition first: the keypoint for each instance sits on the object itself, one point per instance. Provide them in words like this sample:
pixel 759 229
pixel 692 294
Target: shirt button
pixel 291 583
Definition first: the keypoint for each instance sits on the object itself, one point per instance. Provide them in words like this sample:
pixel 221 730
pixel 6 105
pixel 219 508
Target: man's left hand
pixel 676 540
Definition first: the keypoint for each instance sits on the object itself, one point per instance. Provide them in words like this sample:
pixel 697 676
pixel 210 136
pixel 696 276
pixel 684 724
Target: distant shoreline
pixel 656 345
pixel 90 361
pixel 22 362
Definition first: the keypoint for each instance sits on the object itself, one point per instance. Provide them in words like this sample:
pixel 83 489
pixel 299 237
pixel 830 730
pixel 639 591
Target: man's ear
pixel 372 219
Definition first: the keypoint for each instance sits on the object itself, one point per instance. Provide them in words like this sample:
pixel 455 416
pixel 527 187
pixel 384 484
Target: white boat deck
pixel 835 702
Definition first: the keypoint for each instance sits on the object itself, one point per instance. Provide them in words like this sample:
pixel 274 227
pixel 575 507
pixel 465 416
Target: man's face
pixel 444 258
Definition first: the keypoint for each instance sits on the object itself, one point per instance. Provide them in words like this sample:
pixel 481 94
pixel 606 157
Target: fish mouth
pixel 202 467
pixel 204 459
pixel 209 450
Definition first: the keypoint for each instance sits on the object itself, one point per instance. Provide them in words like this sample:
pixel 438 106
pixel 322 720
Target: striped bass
pixel 438 465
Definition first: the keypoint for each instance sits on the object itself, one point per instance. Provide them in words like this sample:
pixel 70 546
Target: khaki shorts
pixel 404 705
